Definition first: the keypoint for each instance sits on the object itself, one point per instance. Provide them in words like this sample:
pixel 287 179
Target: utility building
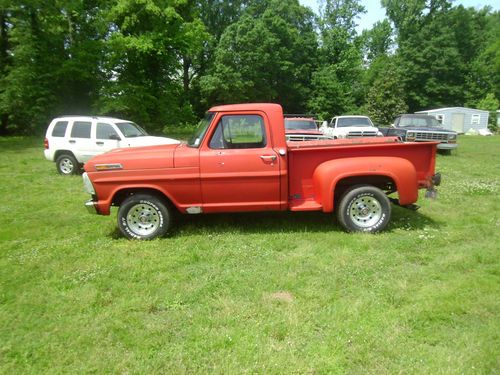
pixel 460 119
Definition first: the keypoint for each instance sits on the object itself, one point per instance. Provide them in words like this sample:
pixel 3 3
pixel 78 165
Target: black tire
pixel 144 217
pixel 364 208
pixel 67 165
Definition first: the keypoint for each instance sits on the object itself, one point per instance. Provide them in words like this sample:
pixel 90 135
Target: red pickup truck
pixel 239 160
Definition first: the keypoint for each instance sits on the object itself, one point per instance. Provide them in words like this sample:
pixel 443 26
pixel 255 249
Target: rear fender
pixel 401 171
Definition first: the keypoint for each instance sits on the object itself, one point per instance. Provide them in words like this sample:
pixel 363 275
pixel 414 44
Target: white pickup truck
pixel 349 127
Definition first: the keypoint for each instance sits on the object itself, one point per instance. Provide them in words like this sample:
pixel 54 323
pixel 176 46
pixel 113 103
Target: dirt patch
pixel 282 296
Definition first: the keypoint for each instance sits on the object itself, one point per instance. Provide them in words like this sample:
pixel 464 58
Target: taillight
pixel 46 143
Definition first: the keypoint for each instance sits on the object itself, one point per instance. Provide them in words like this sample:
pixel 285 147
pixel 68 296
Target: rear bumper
pixel 91 207
pixel 447 146
pixel 49 154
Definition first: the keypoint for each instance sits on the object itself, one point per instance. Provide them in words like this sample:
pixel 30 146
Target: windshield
pixel 201 129
pixel 353 121
pixel 419 121
pixel 131 130
pixel 300 124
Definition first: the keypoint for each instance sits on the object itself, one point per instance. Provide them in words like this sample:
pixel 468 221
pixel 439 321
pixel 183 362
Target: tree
pixel 378 40
pixel 53 56
pixel 147 61
pixel 5 62
pixel 337 83
pixel 268 55
pixel 483 74
pixel 433 69
pixel 491 104
pixel 386 96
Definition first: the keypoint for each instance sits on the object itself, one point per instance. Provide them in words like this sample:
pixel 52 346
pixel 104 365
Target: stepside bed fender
pixel 401 171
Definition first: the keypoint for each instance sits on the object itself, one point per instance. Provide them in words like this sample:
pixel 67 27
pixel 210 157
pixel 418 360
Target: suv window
pixel 105 131
pixel 81 129
pixel 239 131
pixel 59 129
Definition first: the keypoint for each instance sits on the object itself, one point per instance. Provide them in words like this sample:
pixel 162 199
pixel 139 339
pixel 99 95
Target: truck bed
pixel 305 157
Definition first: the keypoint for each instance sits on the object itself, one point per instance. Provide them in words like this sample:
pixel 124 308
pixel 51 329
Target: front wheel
pixel 144 217
pixel 364 208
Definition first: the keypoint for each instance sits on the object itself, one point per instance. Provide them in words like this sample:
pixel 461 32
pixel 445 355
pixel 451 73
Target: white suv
pixel 72 140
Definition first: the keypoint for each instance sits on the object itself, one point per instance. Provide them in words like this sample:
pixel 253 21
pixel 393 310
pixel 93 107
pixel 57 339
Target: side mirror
pixel 114 137
pixel 324 124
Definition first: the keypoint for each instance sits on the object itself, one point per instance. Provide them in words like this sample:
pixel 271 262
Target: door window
pixel 106 131
pixel 81 129
pixel 239 131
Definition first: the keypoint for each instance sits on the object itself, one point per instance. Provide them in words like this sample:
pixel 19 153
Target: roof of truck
pixel 247 107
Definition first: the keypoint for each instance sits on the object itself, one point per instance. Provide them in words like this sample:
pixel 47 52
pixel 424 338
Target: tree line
pixel 162 63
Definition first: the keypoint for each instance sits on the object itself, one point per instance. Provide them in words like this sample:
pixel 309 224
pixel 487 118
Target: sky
pixel 375 12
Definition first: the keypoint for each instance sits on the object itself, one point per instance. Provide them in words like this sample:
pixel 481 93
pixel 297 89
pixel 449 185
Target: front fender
pixel 401 171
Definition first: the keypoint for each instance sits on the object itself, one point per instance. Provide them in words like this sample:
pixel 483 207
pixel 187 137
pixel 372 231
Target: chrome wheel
pixel 143 219
pixel 66 166
pixel 365 211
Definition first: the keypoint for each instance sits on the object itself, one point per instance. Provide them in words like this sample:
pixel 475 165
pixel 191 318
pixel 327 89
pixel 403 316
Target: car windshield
pixel 131 130
pixel 300 124
pixel 419 121
pixel 201 129
pixel 353 121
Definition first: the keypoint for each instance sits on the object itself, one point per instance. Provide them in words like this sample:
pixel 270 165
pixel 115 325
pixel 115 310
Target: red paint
pixel 299 176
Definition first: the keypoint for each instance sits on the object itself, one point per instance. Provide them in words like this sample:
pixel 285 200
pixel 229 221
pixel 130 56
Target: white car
pixel 350 127
pixel 72 140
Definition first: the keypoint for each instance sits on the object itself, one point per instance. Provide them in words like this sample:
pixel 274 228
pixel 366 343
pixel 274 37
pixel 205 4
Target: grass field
pixel 251 293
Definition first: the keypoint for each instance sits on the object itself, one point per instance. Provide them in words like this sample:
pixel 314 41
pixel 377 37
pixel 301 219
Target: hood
pixel 148 140
pixel 346 129
pixel 148 157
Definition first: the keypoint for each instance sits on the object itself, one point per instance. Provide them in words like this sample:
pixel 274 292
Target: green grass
pixel 250 293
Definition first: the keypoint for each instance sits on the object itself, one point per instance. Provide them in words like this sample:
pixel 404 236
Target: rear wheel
pixel 144 217
pixel 66 165
pixel 364 208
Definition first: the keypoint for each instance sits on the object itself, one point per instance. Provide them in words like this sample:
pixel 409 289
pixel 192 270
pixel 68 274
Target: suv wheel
pixel 67 165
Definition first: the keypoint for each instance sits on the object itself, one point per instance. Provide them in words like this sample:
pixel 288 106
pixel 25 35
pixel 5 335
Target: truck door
pixel 239 169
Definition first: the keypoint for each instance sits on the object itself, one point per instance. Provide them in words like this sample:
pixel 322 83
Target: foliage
pixel 249 293
pixel 491 104
pixel 337 82
pixel 386 96
pixel 378 40
pixel 161 63
pixel 267 55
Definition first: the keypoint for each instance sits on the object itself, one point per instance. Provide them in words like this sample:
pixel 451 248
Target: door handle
pixel 99 143
pixel 72 141
pixel 268 157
